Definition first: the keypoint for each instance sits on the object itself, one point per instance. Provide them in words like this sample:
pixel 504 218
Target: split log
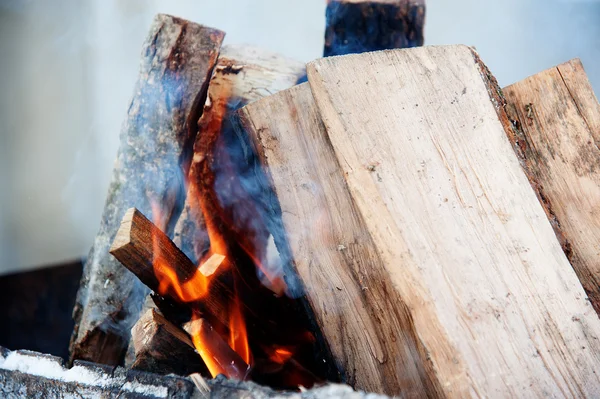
pixel 425 254
pixel 358 26
pixel 557 117
pixel 147 252
pixel 177 60
pixel 243 74
pixel 163 348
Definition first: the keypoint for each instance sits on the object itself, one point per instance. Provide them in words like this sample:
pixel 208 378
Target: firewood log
pixel 243 74
pixel 148 253
pixel 557 117
pixel 423 250
pixel 177 60
pixel 163 348
pixel 358 26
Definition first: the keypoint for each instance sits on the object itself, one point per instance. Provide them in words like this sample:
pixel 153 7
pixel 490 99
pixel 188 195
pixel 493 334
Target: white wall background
pixel 68 68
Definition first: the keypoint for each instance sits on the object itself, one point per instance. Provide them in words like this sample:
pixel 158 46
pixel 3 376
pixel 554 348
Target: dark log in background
pixel 156 140
pixel 357 26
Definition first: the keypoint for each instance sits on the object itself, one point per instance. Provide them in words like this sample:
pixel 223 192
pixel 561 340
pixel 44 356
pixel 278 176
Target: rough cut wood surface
pixel 449 231
pixel 357 26
pixel 163 348
pixel 558 117
pixel 243 74
pixel 331 249
pixel 421 137
pixel 176 62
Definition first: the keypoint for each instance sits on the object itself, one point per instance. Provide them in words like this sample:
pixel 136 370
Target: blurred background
pixel 68 70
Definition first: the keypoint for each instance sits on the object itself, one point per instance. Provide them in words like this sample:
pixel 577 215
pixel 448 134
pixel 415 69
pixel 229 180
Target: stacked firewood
pixel 397 222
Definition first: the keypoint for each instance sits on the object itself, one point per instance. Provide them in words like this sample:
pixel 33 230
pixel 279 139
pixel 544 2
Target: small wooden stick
pixel 137 246
pixel 216 353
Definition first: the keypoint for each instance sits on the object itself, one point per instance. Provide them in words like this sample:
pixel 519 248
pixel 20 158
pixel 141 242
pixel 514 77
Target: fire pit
pixel 392 220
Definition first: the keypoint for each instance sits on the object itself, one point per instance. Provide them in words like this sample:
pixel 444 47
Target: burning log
pixel 358 26
pixel 177 60
pixel 557 117
pixel 162 347
pixel 217 354
pixel 243 74
pixel 142 248
pixel 426 257
pixel 221 216
pixel 150 255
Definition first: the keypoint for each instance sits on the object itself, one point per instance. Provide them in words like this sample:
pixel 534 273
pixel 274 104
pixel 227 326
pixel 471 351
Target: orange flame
pixel 203 346
pixel 281 355
pixel 189 291
pixel 238 336
pixel 215 356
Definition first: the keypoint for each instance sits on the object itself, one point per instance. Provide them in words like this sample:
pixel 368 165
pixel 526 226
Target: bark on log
pixel 243 74
pixel 26 375
pixel 557 117
pixel 177 60
pixel 163 348
pixel 358 26
pixel 427 258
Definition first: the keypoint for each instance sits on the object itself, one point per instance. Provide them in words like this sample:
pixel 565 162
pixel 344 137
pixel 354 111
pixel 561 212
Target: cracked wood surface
pixel 156 142
pixel 409 197
pixel 558 117
pixel 421 137
pixel 334 257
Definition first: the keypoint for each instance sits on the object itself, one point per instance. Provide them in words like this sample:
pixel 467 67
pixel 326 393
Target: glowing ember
pixel 281 355
pixel 238 336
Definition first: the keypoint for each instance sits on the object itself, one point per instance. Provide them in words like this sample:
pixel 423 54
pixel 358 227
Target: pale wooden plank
pixel 333 254
pixel 420 136
pixel 559 120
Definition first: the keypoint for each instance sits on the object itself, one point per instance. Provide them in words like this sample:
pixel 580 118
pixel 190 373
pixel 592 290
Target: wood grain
pixel 420 137
pixel 558 117
pixel 157 135
pixel 163 348
pixel 148 252
pixel 333 255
